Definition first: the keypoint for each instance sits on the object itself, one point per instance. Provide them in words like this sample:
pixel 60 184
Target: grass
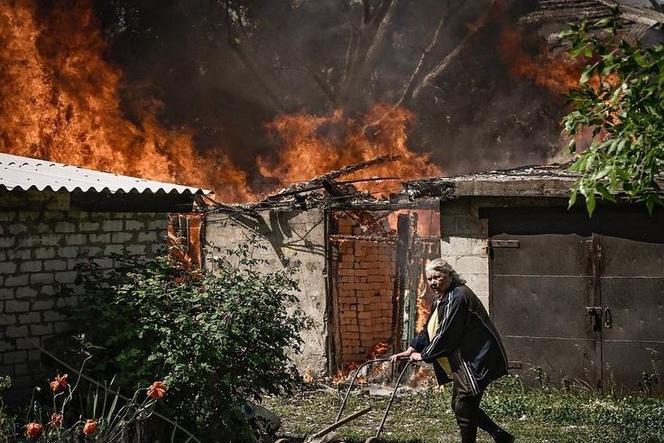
pixel 533 415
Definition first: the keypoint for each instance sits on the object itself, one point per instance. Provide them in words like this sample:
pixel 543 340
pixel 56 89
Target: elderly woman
pixel 464 347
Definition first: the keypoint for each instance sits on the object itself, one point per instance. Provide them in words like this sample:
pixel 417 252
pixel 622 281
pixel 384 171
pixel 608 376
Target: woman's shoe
pixel 502 436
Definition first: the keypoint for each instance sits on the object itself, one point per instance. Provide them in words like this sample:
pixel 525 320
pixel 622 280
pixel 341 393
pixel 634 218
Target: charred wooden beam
pixel 317 182
pixel 370 238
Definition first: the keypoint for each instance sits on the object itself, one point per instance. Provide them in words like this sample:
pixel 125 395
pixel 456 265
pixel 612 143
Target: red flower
pixel 34 430
pixel 157 390
pixel 59 382
pixel 56 420
pixel 89 427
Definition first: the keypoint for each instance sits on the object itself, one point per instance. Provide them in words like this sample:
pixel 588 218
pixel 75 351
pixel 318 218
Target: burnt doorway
pixel 377 291
pixel 580 298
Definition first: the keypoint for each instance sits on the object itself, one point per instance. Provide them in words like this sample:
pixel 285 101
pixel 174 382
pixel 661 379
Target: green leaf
pixel 572 198
pixel 590 203
pixel 604 192
pixel 587 73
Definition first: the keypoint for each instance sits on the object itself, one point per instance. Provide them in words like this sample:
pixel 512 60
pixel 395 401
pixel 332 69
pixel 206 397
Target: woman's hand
pixel 415 356
pixel 401 355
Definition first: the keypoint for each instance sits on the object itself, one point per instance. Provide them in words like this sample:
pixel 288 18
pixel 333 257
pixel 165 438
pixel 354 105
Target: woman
pixel 464 347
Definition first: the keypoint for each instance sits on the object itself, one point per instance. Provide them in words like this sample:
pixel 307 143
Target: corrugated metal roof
pixel 24 173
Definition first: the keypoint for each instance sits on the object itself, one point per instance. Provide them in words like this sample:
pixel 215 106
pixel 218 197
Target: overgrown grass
pixel 541 415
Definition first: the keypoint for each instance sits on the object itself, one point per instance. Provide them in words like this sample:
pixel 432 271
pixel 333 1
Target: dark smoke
pixel 227 68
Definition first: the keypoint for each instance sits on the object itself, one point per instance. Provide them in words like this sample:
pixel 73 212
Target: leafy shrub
pixel 216 339
pixel 6 420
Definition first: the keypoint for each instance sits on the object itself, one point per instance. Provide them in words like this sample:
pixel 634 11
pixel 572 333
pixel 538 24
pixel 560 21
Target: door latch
pixel 608 318
pixel 594 314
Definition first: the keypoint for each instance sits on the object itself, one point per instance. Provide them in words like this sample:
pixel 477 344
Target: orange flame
pixel 313 145
pixel 344 373
pixel 60 101
pixel 558 73
pixel 378 350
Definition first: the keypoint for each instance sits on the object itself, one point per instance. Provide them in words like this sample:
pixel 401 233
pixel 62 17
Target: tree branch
pixel 411 81
pixel 442 66
pixel 367 46
pixel 234 43
pixel 423 56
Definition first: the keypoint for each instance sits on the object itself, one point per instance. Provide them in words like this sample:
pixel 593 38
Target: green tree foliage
pixel 216 339
pixel 621 99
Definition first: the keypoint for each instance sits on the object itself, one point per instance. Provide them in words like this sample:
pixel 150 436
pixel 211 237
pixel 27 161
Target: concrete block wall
pixel 292 235
pixel 38 255
pixel 464 244
pixel 364 285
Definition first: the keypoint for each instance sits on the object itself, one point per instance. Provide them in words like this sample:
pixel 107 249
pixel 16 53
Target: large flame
pixel 558 73
pixel 312 145
pixel 60 101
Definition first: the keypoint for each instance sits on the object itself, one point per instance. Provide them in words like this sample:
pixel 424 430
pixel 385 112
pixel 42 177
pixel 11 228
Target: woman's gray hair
pixel 440 265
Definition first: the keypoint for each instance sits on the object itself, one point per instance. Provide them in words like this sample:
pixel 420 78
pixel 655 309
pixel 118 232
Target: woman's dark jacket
pixel 467 337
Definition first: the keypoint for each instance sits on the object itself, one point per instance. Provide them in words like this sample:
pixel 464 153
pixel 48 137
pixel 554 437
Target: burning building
pixel 361 262
pixel 248 97
pixel 453 86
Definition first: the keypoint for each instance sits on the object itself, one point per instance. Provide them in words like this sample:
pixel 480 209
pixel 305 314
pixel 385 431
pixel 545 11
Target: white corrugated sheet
pixel 24 173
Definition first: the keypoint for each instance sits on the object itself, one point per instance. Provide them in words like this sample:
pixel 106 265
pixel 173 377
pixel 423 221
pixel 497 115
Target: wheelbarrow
pixel 341 421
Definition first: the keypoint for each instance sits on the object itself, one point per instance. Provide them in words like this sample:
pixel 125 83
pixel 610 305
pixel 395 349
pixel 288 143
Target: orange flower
pixel 157 390
pixel 56 420
pixel 89 427
pixel 34 430
pixel 59 382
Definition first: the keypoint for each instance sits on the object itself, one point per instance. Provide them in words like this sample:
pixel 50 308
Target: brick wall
pixel 464 244
pixel 364 287
pixel 38 253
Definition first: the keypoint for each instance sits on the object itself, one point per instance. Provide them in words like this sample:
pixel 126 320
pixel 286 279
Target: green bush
pixel 6 420
pixel 216 339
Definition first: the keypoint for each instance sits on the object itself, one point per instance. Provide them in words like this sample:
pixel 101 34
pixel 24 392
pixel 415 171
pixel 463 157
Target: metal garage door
pixel 579 298
pixel 632 296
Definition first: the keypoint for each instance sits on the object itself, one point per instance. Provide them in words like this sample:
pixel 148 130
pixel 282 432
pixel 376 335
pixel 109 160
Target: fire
pixel 61 101
pixel 428 221
pixel 556 72
pixel 313 145
pixel 378 350
pixel 345 372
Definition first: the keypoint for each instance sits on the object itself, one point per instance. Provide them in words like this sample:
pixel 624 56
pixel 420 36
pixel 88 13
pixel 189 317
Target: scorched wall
pixel 296 235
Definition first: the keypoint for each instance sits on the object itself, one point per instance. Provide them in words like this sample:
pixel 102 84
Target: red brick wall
pixel 364 284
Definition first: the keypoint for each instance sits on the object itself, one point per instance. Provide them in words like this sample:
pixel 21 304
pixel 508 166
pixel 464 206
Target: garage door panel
pixel 542 306
pixel 550 254
pixel 636 307
pixel 539 292
pixel 625 363
pixel 624 257
pixel 558 358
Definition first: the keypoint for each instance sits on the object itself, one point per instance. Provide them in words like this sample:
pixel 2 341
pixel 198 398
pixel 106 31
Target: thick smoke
pixel 245 96
pixel 227 69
